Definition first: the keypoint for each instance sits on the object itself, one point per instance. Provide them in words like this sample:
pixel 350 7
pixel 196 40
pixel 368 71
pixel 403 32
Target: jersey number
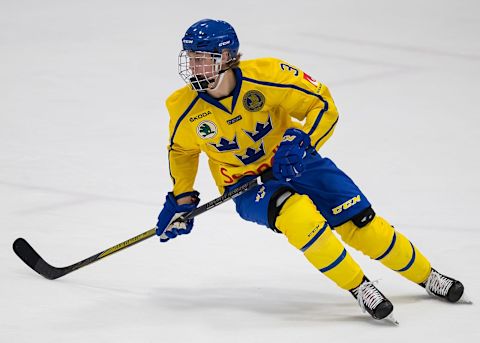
pixel 286 67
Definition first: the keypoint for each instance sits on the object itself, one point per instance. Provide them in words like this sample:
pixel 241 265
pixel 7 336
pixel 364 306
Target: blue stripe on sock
pixel 411 260
pixel 389 248
pixel 336 262
pixel 318 234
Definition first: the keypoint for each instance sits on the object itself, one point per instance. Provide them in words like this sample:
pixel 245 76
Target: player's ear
pixel 226 56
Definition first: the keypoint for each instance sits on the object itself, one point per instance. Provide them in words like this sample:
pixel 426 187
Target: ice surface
pixel 83 132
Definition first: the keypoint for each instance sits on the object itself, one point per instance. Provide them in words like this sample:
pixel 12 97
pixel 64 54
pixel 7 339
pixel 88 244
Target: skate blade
pixel 465 300
pixel 391 319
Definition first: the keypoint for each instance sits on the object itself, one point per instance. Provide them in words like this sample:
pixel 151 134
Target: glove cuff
pixel 300 136
pixel 193 194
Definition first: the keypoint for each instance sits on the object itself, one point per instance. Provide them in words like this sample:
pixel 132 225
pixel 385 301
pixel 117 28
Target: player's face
pixel 201 69
pixel 201 64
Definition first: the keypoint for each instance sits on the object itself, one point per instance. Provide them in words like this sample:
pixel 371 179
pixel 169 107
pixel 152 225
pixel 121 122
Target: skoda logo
pixel 206 129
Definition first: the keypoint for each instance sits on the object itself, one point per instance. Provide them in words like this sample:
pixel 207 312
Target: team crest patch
pixel 207 129
pixel 253 101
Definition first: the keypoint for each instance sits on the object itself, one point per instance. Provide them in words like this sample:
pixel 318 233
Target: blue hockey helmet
pixel 211 35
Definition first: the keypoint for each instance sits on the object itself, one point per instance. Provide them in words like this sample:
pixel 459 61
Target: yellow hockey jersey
pixel 241 133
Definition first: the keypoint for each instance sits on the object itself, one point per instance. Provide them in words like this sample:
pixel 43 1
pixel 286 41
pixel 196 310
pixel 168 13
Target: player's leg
pixel 348 210
pixel 307 230
pixel 377 239
pixel 276 206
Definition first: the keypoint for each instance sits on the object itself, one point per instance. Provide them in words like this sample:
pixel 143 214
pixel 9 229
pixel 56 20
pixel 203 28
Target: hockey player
pixel 250 116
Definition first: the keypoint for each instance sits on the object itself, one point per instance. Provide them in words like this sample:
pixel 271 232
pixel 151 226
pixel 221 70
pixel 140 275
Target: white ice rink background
pixel 83 134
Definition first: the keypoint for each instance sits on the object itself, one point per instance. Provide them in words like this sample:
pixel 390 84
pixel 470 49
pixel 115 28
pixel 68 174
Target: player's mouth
pixel 201 83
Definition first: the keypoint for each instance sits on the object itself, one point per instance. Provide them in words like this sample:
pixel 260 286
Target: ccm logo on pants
pixel 346 205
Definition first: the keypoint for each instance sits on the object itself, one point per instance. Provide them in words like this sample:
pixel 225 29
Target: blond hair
pixel 234 62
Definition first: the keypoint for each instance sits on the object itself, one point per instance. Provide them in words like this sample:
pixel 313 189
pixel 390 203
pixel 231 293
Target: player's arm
pixel 310 102
pixel 321 118
pixel 183 165
pixel 183 156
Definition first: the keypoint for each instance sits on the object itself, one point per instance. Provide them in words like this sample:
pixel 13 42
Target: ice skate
pixel 444 287
pixel 371 300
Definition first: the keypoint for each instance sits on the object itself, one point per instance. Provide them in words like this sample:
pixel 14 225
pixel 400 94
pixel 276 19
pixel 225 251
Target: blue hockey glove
pixel 288 160
pixel 169 224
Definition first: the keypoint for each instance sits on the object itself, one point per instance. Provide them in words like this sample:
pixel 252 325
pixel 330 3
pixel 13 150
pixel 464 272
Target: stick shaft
pixel 28 255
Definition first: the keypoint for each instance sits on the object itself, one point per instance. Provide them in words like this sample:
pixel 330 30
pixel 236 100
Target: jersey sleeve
pixel 321 118
pixel 310 102
pixel 183 152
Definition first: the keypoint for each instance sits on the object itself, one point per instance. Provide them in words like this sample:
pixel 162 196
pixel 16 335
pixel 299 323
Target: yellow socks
pixel 379 240
pixel 308 231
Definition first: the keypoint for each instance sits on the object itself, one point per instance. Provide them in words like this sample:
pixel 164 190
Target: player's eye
pixel 196 60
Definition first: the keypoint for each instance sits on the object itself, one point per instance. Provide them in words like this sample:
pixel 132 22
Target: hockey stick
pixel 28 255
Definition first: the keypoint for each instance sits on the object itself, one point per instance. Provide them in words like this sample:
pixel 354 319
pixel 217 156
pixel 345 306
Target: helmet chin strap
pixel 221 75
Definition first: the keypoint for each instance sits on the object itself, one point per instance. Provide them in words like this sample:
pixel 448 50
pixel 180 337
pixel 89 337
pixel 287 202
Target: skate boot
pixel 443 286
pixel 372 300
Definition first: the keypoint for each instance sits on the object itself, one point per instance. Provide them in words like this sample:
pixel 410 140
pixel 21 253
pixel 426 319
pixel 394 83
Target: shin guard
pixel 379 240
pixel 308 231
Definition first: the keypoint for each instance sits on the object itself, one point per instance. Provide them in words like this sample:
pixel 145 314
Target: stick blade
pixel 32 259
